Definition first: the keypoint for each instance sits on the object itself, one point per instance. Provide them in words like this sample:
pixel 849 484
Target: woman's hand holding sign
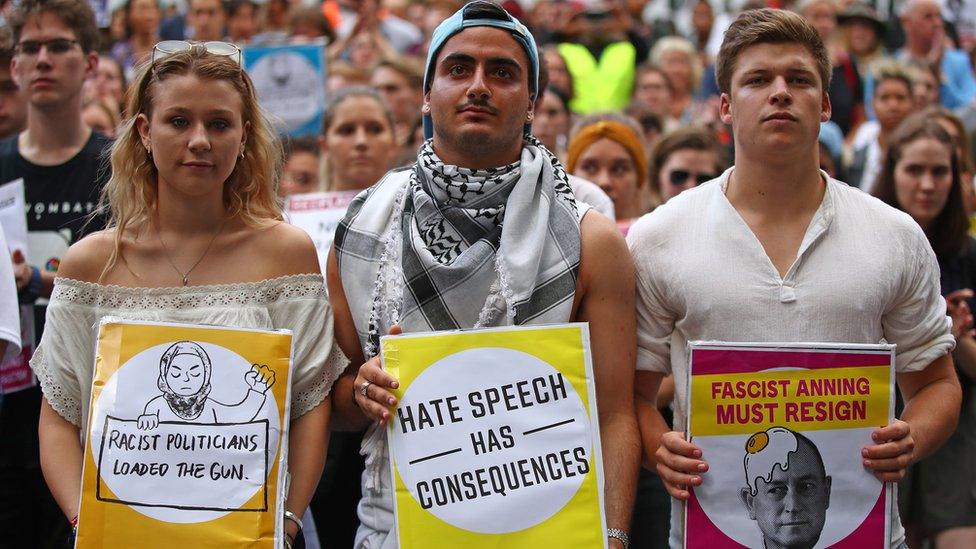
pixel 679 464
pixel 370 388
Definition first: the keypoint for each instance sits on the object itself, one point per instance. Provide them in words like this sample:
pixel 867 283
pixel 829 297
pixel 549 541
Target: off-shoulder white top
pixel 64 359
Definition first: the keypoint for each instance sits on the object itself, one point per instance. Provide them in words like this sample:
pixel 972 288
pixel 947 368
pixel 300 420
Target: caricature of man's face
pixel 186 374
pixel 791 508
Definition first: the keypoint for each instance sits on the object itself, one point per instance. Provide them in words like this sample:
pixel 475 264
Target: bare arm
pixel 651 424
pixel 607 303
pixel 348 416
pixel 307 446
pixel 932 399
pixel 677 461
pixel 61 459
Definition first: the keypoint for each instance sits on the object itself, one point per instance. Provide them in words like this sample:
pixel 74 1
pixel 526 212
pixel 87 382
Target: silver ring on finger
pixel 364 387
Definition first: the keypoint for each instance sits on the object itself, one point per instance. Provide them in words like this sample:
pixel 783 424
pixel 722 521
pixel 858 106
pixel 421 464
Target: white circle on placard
pixel 853 493
pixel 525 471
pixel 288 86
pixel 125 395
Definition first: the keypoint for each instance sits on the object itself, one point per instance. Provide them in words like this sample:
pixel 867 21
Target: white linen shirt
pixel 864 273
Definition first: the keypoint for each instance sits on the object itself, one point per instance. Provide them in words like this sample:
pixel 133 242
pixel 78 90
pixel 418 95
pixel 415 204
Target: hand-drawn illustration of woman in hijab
pixel 185 371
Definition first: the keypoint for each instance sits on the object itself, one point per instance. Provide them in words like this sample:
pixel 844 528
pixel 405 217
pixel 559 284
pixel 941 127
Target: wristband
pixel 618 534
pixel 29 293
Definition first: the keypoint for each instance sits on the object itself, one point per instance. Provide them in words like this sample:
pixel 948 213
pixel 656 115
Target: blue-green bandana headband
pixel 460 21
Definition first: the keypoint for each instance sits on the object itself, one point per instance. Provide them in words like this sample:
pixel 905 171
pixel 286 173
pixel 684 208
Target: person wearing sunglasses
pixel 608 149
pixel 684 159
pixel 58 158
pixel 195 235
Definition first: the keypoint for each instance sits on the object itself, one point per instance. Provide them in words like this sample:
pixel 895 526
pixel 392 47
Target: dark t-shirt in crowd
pixel 59 198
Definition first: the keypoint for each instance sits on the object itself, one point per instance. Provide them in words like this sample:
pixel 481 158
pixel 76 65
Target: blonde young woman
pixel 358 139
pixel 195 235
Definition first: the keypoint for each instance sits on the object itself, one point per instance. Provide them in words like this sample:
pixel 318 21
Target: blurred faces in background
pixel 552 121
pixel 926 85
pixel 400 82
pixel 206 19
pixel 358 137
pixel 242 21
pixel 101 116
pixel 653 89
pixel 893 101
pixel 301 171
pixel 13 105
pixel 683 159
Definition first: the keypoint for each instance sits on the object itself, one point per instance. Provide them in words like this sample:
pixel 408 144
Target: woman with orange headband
pixel 608 150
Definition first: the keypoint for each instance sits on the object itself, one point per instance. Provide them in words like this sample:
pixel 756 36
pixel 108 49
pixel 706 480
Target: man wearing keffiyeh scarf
pixel 482 231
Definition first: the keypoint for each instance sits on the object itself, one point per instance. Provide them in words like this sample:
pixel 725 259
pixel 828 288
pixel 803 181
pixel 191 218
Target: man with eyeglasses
pixel 60 161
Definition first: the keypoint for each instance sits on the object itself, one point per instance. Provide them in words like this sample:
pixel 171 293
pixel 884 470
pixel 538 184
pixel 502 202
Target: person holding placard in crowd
pixel 921 176
pixel 785 254
pixel 59 159
pixel 195 236
pixel 480 85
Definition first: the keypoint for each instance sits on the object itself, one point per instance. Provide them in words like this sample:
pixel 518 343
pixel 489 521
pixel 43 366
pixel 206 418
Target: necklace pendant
pixel 186 281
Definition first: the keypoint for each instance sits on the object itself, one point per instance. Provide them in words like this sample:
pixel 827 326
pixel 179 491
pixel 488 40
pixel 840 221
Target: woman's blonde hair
pixel 250 193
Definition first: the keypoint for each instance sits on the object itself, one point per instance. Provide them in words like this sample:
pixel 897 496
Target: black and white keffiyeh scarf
pixel 441 247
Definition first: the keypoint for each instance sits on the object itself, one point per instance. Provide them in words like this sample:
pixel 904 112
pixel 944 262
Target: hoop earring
pixel 426 108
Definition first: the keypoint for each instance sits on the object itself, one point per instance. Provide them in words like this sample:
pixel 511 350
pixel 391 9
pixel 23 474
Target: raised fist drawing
pixel 259 378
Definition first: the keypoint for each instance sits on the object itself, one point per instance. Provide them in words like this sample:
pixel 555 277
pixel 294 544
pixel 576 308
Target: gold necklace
pixel 186 276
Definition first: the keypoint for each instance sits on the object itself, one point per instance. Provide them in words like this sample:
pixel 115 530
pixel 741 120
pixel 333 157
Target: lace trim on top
pixel 61 401
pixel 109 296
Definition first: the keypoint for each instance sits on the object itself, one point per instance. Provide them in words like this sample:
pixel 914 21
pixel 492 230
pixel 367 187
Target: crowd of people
pixel 838 137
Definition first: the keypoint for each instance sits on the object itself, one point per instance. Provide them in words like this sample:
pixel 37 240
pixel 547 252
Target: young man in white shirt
pixel 773 250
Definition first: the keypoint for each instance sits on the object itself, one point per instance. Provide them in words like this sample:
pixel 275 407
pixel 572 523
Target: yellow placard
pixel 186 434
pixel 495 440
pixel 807 400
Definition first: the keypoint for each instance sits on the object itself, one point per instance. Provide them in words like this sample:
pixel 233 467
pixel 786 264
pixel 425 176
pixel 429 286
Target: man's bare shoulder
pixel 604 256
pixel 86 259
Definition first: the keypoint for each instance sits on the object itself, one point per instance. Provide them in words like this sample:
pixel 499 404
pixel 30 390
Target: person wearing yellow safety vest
pixel 601 60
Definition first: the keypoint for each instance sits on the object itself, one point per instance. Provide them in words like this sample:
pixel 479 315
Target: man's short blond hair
pixel 891 69
pixel 769 26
